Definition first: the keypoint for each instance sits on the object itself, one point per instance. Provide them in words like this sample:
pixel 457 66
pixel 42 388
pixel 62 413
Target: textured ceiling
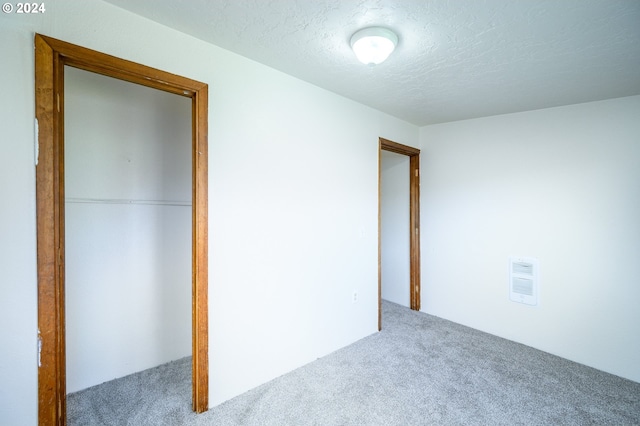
pixel 456 59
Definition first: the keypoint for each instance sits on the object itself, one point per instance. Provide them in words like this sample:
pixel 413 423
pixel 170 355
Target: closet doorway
pixel 413 206
pixel 127 236
pixel 51 57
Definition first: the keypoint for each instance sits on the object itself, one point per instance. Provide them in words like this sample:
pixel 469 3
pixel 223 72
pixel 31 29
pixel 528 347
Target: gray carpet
pixel 420 370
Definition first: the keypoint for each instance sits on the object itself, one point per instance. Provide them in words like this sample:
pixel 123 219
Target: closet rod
pixel 128 201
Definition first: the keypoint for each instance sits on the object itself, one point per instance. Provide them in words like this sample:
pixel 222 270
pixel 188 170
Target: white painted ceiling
pixel 456 59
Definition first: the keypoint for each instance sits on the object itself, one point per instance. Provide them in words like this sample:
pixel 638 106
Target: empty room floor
pixel 418 370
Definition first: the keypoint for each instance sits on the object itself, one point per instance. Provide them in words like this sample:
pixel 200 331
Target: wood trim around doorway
pixel 414 223
pixel 51 56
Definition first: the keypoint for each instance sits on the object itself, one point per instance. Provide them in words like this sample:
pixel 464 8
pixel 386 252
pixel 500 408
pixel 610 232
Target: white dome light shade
pixel 373 46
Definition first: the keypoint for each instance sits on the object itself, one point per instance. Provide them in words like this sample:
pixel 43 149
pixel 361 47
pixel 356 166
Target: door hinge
pixel 39 349
pixel 36 142
pixel 417 172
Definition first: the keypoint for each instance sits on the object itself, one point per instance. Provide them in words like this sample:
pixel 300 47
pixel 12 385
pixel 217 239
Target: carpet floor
pixel 419 370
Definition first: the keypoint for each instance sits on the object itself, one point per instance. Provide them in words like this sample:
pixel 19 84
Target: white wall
pixel 292 203
pixel 561 185
pixel 395 227
pixel 128 228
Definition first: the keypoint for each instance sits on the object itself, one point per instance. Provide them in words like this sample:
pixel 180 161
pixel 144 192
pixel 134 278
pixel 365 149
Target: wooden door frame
pixel 51 56
pixel 414 222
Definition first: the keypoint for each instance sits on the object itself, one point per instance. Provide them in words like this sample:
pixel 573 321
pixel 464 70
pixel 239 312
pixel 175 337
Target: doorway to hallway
pixel 413 155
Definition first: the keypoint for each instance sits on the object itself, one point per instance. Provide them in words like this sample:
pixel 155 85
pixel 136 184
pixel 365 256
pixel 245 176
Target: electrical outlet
pixel 355 297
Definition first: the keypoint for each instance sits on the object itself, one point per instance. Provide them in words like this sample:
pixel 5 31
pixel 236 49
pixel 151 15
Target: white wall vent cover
pixel 523 280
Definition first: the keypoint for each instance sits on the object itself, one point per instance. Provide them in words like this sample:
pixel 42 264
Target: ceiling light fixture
pixel 373 45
